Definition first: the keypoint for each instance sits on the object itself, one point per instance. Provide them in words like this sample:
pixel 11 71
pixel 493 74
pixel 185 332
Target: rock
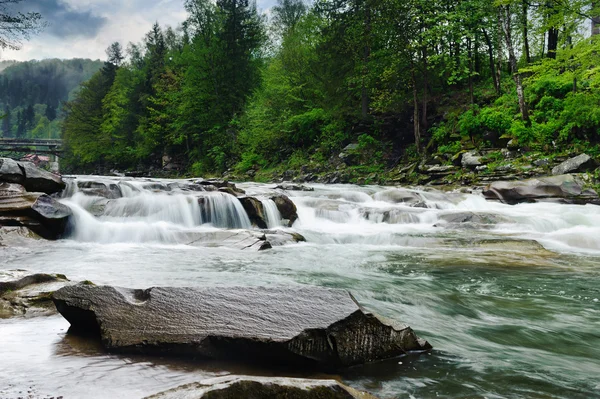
pixel 220 184
pixel 457 158
pixel 564 188
pixel 481 168
pixel 230 191
pixel 30 176
pixel 399 196
pixel 255 210
pixel 100 189
pixel 22 293
pixel 39 212
pixel 542 162
pixel 38 180
pixel 278 238
pixel 286 208
pixel 11 172
pixel 231 386
pixel 512 145
pixel 581 163
pixel 294 187
pixel 470 219
pixel 471 160
pixel 299 326
pixel 237 239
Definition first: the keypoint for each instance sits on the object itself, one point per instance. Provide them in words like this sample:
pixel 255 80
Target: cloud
pixel 85 28
pixel 64 20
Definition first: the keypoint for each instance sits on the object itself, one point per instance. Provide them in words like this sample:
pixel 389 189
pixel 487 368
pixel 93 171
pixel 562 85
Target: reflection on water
pixel 512 308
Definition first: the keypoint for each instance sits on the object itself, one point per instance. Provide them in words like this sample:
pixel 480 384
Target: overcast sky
pixel 85 28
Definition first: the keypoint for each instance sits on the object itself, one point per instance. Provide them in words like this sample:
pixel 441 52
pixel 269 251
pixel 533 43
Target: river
pixel 508 297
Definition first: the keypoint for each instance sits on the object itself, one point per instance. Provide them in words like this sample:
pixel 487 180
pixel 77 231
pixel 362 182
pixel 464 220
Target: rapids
pixel 507 295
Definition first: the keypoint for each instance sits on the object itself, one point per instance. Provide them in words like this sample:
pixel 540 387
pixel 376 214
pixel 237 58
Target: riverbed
pixel 509 299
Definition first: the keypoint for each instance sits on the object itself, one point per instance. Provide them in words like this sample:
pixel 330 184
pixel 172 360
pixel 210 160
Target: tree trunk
pixel 416 122
pixel 525 22
pixel 506 28
pixel 425 100
pixel 470 55
pixel 365 99
pixel 490 47
pixel 595 20
pixel 552 42
pixel 499 54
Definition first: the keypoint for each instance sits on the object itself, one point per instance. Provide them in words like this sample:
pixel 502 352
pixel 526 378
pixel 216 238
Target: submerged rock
pixel 298 326
pixel 580 163
pixel 36 211
pixel 247 387
pixel 27 294
pixel 238 239
pixel 286 208
pixel 564 188
pixel 294 187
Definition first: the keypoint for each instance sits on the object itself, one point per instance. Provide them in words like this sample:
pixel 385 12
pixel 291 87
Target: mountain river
pixel 507 295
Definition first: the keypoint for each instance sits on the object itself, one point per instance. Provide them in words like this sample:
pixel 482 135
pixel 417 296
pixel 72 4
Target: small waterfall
pixel 223 210
pixel 272 214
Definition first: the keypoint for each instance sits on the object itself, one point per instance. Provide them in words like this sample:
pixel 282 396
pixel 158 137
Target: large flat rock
pixel 33 178
pixel 247 387
pixel 298 326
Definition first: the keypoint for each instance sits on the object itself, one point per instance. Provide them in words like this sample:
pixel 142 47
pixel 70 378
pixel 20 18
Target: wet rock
pixel 221 184
pixel 100 189
pixel 470 219
pixel 237 239
pixel 255 210
pixel 399 196
pixel 299 326
pixel 231 386
pixel 22 293
pixel 40 213
pixel 286 208
pixel 294 187
pixel 278 238
pixel 471 160
pixel 564 189
pixel 581 163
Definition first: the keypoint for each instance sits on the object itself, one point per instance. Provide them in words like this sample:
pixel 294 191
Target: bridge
pixel 38 146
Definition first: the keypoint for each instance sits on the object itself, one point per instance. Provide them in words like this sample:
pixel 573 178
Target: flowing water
pixel 507 295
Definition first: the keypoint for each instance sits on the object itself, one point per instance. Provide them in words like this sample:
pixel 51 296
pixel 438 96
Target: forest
pixel 235 89
pixel 32 94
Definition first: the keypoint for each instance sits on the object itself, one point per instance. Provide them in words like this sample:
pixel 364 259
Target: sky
pixel 85 28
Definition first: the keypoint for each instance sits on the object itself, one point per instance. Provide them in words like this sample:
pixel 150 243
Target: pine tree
pixel 6 126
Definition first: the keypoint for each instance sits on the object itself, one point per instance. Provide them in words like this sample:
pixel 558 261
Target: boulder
pixel 471 160
pixel 39 180
pixel 581 163
pixel 11 172
pixel 247 387
pixel 38 212
pixel 294 187
pixel 564 188
pixel 286 208
pixel 255 210
pixel 299 326
pixel 23 293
